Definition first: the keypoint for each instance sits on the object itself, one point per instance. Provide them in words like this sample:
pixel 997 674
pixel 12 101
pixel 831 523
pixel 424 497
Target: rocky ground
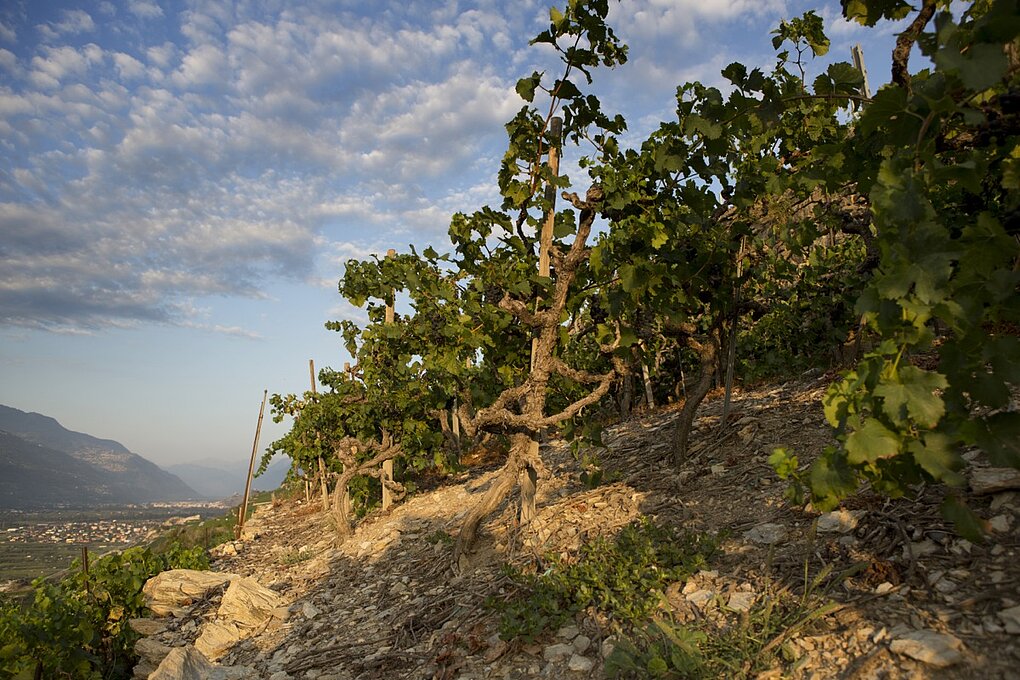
pixel 909 599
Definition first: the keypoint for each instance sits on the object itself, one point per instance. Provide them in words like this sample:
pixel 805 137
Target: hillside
pixel 891 590
pixel 32 476
pixel 111 471
pixel 215 480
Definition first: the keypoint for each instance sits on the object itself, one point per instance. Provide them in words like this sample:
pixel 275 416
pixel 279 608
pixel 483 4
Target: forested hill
pixel 45 463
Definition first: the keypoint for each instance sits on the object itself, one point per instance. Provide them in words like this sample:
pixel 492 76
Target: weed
pixel 620 578
pixel 732 644
pixel 439 536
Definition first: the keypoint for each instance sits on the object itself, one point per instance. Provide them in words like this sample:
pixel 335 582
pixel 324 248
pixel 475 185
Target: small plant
pixel 296 557
pixel 439 536
pixel 620 578
pixel 731 644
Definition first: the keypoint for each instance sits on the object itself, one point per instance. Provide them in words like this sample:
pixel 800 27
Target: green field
pixel 26 561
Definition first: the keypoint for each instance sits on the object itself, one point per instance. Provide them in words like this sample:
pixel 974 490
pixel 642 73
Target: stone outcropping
pixel 181 648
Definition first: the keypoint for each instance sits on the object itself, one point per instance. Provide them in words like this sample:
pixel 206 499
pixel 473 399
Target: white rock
pixel 581 644
pixel 884 588
pixel 935 649
pixel 766 534
pixel 309 610
pixel 216 638
pixel 186 663
pixel 838 521
pixel 557 652
pixel 580 664
pixel 248 603
pixel 999 524
pixel 166 593
pixel 700 597
pixel 1011 619
pixel 568 632
pixel 740 601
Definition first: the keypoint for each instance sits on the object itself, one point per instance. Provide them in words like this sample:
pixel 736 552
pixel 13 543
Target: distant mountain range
pixel 219 479
pixel 43 463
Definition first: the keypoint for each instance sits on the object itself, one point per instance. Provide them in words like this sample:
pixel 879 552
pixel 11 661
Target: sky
pixel 181 182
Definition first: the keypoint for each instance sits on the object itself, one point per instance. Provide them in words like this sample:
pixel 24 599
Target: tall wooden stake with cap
pixel 387 466
pixel 243 511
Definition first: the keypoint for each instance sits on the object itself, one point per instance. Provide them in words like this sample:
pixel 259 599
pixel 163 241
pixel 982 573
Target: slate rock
pixel 168 593
pixel 935 649
pixel 580 664
pixel 216 638
pixel 187 663
pixel 994 479
pixel 766 534
pixel 838 521
pixel 248 603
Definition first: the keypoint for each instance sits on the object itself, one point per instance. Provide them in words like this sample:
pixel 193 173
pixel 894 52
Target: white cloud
pixel 8 61
pixel 144 9
pixel 128 67
pixel 71 22
pixel 7 33
pixel 203 65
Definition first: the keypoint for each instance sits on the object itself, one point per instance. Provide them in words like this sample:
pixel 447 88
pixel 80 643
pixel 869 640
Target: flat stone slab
pixel 935 649
pixel 993 479
pixel 167 593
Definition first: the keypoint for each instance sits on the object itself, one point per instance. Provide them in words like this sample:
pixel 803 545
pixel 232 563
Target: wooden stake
pixel 731 349
pixel 649 395
pixel 85 568
pixel 387 466
pixel 311 373
pixel 243 511
pixel 858 56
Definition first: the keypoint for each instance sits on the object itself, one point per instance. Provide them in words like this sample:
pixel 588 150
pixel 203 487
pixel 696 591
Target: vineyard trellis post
pixel 243 510
pixel 387 466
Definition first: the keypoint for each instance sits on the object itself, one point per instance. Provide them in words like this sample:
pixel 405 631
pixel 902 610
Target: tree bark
pixel 708 351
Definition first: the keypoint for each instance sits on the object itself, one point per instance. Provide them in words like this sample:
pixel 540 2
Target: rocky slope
pixel 909 598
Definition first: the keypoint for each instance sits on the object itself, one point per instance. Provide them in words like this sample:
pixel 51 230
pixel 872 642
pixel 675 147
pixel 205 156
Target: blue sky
pixel 181 182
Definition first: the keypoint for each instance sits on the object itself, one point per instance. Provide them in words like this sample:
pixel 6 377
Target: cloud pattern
pixel 157 153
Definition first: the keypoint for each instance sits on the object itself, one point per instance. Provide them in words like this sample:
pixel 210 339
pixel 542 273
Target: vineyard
pixel 779 229
pixel 780 226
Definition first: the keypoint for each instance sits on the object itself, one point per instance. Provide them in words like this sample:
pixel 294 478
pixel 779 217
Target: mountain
pixel 105 469
pixel 216 480
pixel 33 476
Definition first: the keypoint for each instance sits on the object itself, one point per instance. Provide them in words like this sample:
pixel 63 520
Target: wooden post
pixel 243 511
pixel 85 569
pixel 731 349
pixel 649 395
pixel 387 466
pixel 323 485
pixel 858 56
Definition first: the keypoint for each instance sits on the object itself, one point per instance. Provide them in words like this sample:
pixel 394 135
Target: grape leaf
pixel 871 442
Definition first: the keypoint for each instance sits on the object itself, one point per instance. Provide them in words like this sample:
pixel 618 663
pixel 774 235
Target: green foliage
pixel 77 628
pixel 728 644
pixel 944 209
pixel 621 578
